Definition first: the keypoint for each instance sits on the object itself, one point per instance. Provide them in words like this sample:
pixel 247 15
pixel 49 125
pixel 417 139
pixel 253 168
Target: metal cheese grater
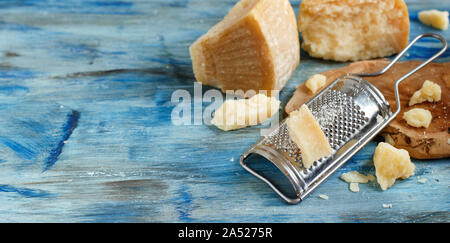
pixel 350 111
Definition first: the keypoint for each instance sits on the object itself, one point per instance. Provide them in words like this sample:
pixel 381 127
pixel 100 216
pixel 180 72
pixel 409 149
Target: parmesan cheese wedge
pixel 344 30
pixel 305 131
pixel 390 164
pixel 255 47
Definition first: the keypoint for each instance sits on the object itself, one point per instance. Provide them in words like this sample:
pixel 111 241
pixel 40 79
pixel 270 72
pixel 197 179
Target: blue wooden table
pixel 86 133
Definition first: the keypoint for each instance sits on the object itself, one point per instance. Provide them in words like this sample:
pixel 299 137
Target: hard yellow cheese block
pixel 305 131
pixel 235 114
pixel 418 117
pixel 344 30
pixel 255 47
pixel 390 164
pixel 435 18
pixel 430 92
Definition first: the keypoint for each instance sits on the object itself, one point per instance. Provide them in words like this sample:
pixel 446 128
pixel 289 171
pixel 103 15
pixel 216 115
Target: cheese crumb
pixel 316 82
pixel 354 187
pixel 305 131
pixel 418 117
pixel 236 114
pixel 388 139
pixel 422 181
pixel 434 18
pixel 325 197
pixel 387 205
pixel 356 177
pixel 390 164
pixel 430 92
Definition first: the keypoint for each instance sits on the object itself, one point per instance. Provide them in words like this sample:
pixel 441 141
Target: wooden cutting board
pixel 421 143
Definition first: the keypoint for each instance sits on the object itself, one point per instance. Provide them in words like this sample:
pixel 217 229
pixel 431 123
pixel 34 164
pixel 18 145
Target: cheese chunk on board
pixel 235 114
pixel 346 30
pixel 255 47
pixel 305 131
pixel 418 117
pixel 430 92
pixel 434 18
pixel 356 177
pixel 391 164
pixel 316 82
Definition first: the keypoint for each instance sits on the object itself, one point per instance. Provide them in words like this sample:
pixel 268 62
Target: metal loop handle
pixel 397 96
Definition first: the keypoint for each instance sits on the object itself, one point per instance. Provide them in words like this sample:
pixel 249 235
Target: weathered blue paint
pixel 86 133
pixel 25 192
pixel 71 124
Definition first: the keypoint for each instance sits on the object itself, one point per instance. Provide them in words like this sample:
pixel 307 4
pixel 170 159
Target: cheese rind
pixel 316 82
pixel 434 18
pixel 390 164
pixel 418 117
pixel 353 30
pixel 429 91
pixel 235 114
pixel 255 47
pixel 305 131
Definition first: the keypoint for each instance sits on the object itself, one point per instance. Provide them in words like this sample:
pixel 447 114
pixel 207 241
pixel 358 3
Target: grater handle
pixel 397 96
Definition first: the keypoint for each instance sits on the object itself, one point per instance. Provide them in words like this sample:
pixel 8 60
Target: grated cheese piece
pixel 235 114
pixel 434 18
pixel 354 187
pixel 430 92
pixel 390 164
pixel 418 117
pixel 389 205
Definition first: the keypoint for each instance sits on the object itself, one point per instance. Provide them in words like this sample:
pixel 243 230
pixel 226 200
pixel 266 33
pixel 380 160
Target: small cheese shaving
pixel 387 205
pixel 354 187
pixel 429 91
pixel 356 177
pixel 422 181
pixel 325 197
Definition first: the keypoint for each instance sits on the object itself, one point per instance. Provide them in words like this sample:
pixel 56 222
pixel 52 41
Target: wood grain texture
pixel 86 132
